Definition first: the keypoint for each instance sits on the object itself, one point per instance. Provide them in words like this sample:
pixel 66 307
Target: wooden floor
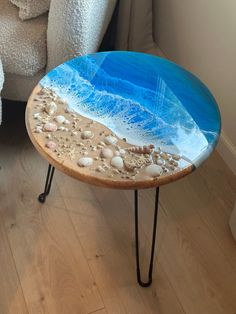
pixel 75 254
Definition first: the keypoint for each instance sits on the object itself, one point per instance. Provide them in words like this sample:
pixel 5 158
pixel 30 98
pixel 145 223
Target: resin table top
pixel 123 120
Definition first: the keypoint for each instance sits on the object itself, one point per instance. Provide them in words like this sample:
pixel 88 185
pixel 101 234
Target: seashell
pixel 37 116
pixel 51 108
pixel 87 134
pixel 110 140
pixel 100 169
pixel 141 149
pixel 115 171
pixel 117 162
pixel 106 153
pixel 85 162
pixel 66 121
pixel 160 162
pixel 51 145
pixel 129 165
pixel 164 156
pixel 38 129
pixel 122 152
pixel 60 119
pixel 102 143
pixel 153 170
pixel 61 128
pixel 176 157
pixel 50 127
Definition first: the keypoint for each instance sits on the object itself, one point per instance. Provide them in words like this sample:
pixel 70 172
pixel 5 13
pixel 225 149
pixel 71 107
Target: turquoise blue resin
pixel 143 98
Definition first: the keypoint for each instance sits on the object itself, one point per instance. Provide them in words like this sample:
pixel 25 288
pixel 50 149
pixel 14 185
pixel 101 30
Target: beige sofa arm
pixel 76 27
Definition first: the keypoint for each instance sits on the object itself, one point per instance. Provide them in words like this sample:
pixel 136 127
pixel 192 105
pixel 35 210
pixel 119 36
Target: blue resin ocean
pixel 142 98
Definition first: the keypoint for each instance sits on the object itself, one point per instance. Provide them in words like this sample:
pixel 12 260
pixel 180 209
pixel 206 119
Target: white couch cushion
pixel 22 44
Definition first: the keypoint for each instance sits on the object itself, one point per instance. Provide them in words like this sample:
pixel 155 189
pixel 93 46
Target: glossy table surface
pixel 141 99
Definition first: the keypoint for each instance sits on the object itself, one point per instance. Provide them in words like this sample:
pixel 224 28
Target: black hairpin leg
pixel 47 188
pixel 147 283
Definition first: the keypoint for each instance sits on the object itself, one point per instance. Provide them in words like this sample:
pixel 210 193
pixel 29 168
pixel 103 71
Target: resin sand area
pixel 90 149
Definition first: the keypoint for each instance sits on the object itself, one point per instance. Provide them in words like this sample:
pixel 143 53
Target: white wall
pixel 201 36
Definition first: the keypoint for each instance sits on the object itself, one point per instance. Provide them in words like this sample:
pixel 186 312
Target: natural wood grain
pixel 70 168
pixel 53 271
pixel 11 297
pixel 106 234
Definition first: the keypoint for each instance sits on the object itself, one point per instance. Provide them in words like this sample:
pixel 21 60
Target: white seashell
pixel 117 162
pixel 51 108
pixel 107 153
pixel 50 127
pixel 38 129
pixel 87 134
pixel 122 152
pixel 110 140
pixel 61 128
pixel 153 170
pixel 85 162
pixel 102 143
pixel 66 121
pixel 160 162
pixel 100 169
pixel 51 145
pixel 37 116
pixel 60 119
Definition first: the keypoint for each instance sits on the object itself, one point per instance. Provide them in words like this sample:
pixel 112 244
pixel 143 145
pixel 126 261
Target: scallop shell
pixel 110 140
pixel 117 162
pixel 107 153
pixel 85 162
pixel 141 149
pixel 51 108
pixel 50 127
pixel 87 134
pixel 60 119
pixel 51 145
pixel 153 170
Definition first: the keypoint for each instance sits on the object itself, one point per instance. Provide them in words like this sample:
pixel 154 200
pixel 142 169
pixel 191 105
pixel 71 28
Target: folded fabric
pixel 31 8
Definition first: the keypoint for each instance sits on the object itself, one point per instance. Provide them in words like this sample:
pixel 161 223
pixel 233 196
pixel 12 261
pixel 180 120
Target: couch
pixel 28 49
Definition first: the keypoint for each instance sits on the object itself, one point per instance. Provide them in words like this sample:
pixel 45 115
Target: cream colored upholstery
pixel 74 27
pixel 22 44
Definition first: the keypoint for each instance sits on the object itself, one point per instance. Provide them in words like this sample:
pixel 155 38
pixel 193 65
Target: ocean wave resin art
pixel 142 98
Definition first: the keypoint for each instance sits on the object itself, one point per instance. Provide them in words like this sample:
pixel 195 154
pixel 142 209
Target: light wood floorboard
pixel 76 253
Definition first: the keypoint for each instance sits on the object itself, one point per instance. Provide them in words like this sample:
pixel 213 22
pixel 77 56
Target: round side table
pixel 123 120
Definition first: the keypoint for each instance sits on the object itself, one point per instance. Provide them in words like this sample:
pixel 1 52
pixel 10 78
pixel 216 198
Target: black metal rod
pixel 149 282
pixel 48 184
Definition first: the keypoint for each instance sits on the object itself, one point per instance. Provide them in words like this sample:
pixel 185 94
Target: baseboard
pixel 227 151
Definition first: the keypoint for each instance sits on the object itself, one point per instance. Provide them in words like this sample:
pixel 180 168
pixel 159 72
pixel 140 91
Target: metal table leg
pixel 147 283
pixel 42 197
